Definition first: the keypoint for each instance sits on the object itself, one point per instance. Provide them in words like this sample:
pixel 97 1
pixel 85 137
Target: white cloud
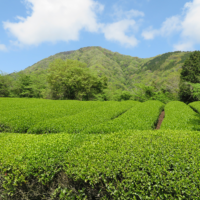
pixel 3 47
pixel 62 20
pixel 55 20
pixel 134 13
pixel 191 25
pixel 120 14
pixel 124 27
pixel 150 33
pixel 185 46
pixel 187 24
pixel 169 26
pixel 117 32
pixel 190 35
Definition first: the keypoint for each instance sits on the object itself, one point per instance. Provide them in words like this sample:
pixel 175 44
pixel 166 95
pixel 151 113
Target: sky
pixel 31 30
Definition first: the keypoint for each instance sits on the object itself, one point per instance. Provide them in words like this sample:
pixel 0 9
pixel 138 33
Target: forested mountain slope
pixel 124 71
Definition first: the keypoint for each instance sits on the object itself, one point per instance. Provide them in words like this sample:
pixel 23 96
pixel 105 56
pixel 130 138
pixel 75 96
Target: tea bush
pixel 179 116
pixel 20 115
pixel 195 106
pixel 80 121
pixel 124 165
pixel 142 116
pixel 7 104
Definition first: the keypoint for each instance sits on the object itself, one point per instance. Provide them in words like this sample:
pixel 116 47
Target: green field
pixel 98 150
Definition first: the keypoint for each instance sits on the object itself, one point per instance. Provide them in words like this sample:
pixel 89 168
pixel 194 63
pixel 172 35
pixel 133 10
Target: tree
pixel 23 85
pixel 4 85
pixel 71 79
pixel 39 84
pixel 190 76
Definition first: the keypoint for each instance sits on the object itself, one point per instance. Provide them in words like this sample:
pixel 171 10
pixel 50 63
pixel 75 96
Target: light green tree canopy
pixel 71 79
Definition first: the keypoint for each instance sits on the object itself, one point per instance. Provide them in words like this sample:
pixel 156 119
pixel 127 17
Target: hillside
pixel 124 71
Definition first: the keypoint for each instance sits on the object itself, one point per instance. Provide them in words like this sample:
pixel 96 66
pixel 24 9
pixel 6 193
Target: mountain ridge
pixel 123 71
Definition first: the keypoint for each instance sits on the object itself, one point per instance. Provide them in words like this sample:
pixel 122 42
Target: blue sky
pixel 31 30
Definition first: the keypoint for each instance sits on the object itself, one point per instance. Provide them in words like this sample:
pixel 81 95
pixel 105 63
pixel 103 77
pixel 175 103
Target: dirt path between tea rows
pixel 161 117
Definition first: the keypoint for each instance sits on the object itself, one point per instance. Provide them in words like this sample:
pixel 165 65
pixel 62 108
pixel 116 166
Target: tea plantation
pixel 98 150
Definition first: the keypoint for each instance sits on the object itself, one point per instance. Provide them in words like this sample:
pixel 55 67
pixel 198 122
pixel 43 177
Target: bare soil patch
pixel 161 117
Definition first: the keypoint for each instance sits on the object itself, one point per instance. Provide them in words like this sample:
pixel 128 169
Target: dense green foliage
pixel 72 79
pixel 191 68
pixel 18 115
pixel 195 106
pixel 23 86
pixel 4 85
pixel 179 116
pixel 152 92
pixel 155 63
pixel 190 76
pixel 48 116
pixel 123 165
pixel 77 123
pixel 142 116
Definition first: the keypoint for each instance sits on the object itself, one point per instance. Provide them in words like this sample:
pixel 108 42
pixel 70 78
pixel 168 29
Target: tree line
pixel 71 79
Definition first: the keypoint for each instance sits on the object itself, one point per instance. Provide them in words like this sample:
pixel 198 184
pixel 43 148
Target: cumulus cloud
pixel 3 47
pixel 187 24
pixel 124 27
pixel 190 34
pixel 62 20
pixel 55 20
pixel 190 24
pixel 117 32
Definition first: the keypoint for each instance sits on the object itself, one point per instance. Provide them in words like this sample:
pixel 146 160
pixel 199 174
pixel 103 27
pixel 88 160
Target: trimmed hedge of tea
pixel 143 116
pixel 179 116
pixel 21 114
pixel 195 106
pixel 80 121
pixel 7 104
pixel 124 165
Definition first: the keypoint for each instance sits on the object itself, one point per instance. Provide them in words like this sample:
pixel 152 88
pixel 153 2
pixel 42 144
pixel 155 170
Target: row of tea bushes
pixel 20 120
pixel 80 121
pixel 179 116
pixel 195 106
pixel 7 104
pixel 31 160
pixel 143 116
pixel 125 165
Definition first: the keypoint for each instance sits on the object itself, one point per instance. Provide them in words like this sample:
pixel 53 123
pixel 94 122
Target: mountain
pixel 123 71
